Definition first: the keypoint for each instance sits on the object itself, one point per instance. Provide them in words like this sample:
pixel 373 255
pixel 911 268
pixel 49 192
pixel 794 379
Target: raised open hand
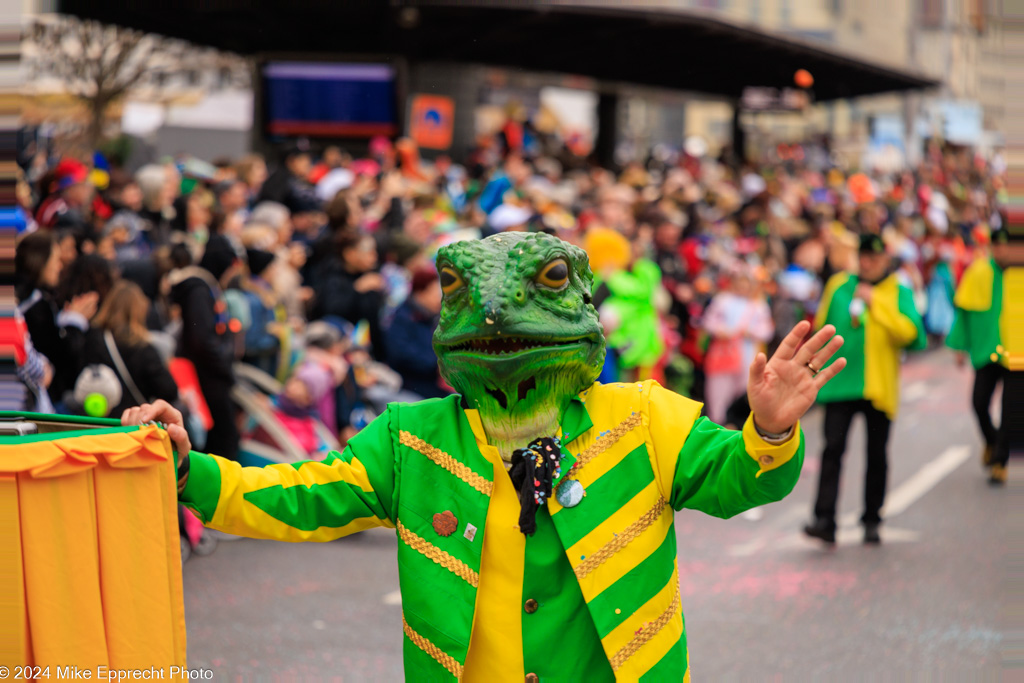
pixel 782 389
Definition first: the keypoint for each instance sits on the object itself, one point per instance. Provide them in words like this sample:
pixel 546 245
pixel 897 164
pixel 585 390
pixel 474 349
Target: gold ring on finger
pixel 814 370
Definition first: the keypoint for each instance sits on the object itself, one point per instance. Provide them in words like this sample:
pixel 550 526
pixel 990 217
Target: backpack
pixel 97 390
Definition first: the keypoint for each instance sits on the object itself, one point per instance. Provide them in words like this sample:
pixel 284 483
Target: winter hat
pixel 70 172
pixel 259 260
pixel 862 189
pixel 333 182
pixel 606 248
pixel 871 244
pixel 316 378
pixel 367 167
pixel 218 257
pixel 509 216
pixel 403 247
pixel 423 278
pixel 322 335
pixel 301 202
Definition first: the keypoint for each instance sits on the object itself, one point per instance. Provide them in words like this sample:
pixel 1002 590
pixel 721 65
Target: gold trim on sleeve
pixel 439 655
pixel 446 461
pixel 431 551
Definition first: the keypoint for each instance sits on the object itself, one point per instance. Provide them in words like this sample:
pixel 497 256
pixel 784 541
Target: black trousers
pixel 1010 431
pixel 985 380
pixel 838 417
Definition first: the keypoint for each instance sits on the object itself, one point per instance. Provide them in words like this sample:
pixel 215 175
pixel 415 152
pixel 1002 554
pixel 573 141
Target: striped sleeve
pixel 303 501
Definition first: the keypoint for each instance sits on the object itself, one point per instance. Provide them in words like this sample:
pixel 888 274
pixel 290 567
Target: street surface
pixel 761 602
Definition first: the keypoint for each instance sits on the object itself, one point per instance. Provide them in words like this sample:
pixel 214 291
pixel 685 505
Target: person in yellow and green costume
pixel 875 315
pixel 976 334
pixel 534 509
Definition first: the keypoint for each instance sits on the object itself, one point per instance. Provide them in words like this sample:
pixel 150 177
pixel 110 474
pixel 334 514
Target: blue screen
pixel 329 99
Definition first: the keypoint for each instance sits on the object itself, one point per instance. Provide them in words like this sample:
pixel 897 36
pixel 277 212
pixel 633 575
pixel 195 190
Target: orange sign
pixel 432 121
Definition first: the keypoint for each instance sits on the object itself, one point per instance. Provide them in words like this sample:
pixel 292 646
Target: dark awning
pixel 657 47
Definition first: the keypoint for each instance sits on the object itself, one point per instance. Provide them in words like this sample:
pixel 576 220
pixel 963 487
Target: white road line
pixel 845 537
pixel 898 501
pixel 915 391
pixel 788 518
pixel 921 482
pixel 924 480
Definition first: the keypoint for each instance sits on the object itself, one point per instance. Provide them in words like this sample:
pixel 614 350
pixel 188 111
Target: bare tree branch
pixel 100 63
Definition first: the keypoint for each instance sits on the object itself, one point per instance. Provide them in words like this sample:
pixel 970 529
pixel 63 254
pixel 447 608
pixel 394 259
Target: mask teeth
pixel 504 345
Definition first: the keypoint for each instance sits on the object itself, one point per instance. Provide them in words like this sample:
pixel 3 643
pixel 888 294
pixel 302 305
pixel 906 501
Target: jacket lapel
pixel 576 421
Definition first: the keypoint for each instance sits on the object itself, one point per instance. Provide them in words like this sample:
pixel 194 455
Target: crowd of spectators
pixel 318 269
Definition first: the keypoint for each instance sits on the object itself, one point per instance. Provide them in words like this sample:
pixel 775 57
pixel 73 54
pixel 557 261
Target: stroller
pixel 195 538
pixel 265 440
pixel 251 392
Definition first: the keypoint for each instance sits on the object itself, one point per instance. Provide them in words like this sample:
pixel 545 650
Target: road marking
pixel 897 502
pixel 915 391
pixel 924 480
pixel 791 516
pixel 921 482
pixel 847 536
pixel 392 598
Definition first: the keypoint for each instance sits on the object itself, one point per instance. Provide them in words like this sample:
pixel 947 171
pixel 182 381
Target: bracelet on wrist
pixel 772 436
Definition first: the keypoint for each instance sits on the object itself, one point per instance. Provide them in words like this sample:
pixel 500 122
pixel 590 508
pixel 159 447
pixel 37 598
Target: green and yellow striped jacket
pixel 639 451
pixel 871 344
pixel 979 314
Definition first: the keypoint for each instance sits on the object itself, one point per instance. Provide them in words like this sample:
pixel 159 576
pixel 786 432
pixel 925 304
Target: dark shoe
pixel 871 536
pixel 986 455
pixel 823 530
pixel 997 475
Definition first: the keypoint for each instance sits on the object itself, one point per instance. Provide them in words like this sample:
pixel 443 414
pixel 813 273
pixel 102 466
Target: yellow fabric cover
pixel 92 562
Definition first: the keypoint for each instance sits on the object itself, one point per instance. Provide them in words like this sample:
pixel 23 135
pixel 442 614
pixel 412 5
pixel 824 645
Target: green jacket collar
pixel 576 421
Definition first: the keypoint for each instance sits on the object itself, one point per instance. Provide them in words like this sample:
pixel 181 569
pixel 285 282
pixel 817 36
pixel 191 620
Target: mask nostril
pixel 491 311
pixel 520 296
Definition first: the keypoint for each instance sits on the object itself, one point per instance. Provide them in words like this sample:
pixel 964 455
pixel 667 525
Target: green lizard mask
pixel 518 335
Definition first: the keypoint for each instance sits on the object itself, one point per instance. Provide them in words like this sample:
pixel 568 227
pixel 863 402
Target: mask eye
pixel 555 274
pixel 450 280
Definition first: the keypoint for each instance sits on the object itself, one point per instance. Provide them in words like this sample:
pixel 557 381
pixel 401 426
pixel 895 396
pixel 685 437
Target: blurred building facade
pixel 959 43
pixel 188 98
